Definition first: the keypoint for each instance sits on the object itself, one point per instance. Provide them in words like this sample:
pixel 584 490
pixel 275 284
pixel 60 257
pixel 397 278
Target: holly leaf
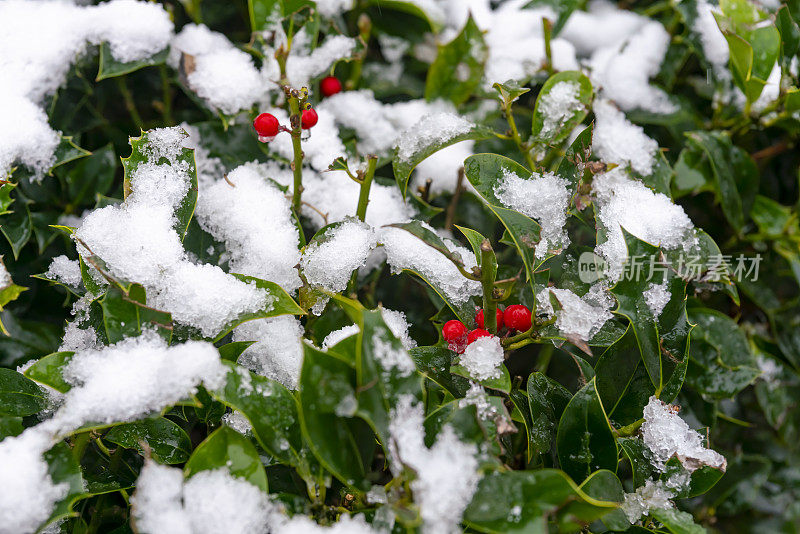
pixel 458 68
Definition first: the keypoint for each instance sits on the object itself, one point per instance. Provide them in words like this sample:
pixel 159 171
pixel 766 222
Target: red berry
pixel 266 126
pixel 479 318
pixel 477 333
pixel 309 118
pixel 330 85
pixel 453 330
pixel 517 317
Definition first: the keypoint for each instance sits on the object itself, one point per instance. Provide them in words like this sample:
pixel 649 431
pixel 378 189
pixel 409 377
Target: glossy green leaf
pixel 49 370
pixel 63 468
pixel 435 363
pixel 677 521
pixel 458 67
pixel 502 383
pixel 547 400
pixel 167 442
pixel 19 396
pixel 227 449
pixel 525 501
pixel 484 172
pixel 585 441
pixel 270 408
pixel 404 166
pixel 551 123
pixel 604 485
pixel 231 351
pixel 111 68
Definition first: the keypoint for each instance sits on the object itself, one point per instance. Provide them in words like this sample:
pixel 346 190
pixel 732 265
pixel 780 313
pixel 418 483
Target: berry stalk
pixel 366 184
pixel 488 274
pixel 297 162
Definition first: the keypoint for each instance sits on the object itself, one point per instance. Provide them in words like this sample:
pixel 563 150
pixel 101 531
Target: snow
pixel 715 46
pixel 237 421
pixel 406 251
pixel 77 338
pixel 651 496
pixel 5 276
pixel 331 8
pixel 442 168
pixel 657 296
pixel 483 358
pixel 476 396
pixel 603 25
pixel 398 324
pixel 543 197
pixel 329 263
pixel 623 73
pixel 34 68
pixel 446 474
pixel 303 63
pixel 337 336
pixel 253 219
pixel 138 243
pixel 133 378
pixel 431 130
pixel 27 491
pixel 652 217
pixel 389 355
pixel 667 436
pixel 617 140
pixel 278 349
pixel 558 105
pixel 222 75
pixel 581 317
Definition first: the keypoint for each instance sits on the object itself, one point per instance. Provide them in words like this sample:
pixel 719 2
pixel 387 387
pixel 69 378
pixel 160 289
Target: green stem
pixel 545 355
pixel 130 105
pixel 166 99
pixel 630 429
pixel 488 272
pixel 512 124
pixel 297 162
pixel 547 24
pixel 79 443
pixel 366 184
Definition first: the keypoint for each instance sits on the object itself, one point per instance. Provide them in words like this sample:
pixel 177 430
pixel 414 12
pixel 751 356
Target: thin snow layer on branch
pixel 28 494
pixel 406 251
pixel 581 317
pixel 254 220
pixel 442 168
pixel 657 297
pixel 483 358
pixel 514 36
pixel 447 473
pixel 278 349
pixel 667 436
pixel 617 140
pixel 543 197
pixel 623 73
pixel 65 270
pixel 558 105
pixel 137 242
pixel 332 197
pixel 330 262
pixel 377 125
pixel 652 217
pixel 41 41
pixel 433 129
pixel 222 75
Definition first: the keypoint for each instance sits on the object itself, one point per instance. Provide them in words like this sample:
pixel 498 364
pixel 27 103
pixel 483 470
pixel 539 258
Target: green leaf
pixel 722 364
pixel 735 174
pixel 227 449
pixel 270 408
pixel 562 8
pixel 638 456
pixel 661 339
pixel 547 400
pixel 92 176
pixel 484 171
pixel 111 68
pixel 63 468
pixel 551 124
pixel 403 167
pixel 677 521
pixel 231 351
pixel 412 7
pixel 67 151
pixel 604 485
pixel 140 154
pixel 167 442
pixel 124 314
pixel 458 68
pixel 17 227
pixel 327 396
pixel 500 384
pixel 525 501
pixel 19 396
pixel 49 370
pixel 435 364
pixel 585 441
pixel 702 479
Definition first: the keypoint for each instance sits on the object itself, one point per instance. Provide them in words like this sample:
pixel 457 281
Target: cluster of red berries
pixel 267 125
pixel 515 317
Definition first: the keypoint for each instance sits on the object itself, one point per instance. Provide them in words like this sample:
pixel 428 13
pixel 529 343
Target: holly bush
pixel 586 213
